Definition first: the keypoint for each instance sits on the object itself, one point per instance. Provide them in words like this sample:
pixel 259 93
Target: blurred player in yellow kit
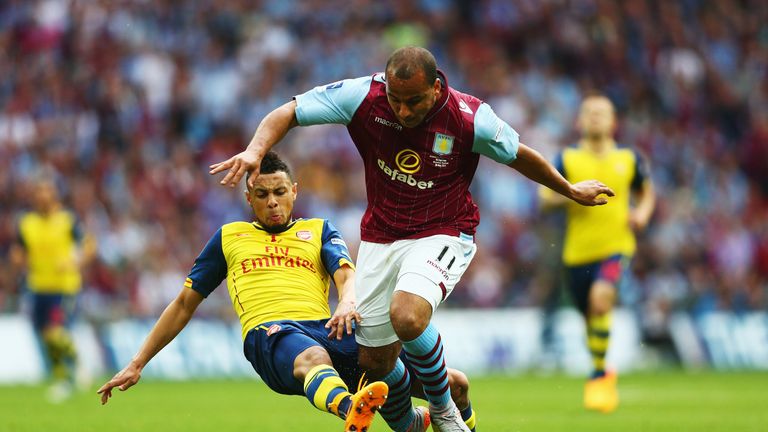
pixel 599 241
pixel 278 271
pixel 52 248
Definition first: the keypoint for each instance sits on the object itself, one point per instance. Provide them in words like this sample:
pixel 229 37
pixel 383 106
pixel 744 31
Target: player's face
pixel 596 118
pixel 271 199
pixel 411 99
pixel 45 195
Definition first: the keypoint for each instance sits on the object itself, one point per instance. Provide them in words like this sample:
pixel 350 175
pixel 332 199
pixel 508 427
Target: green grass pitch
pixel 651 402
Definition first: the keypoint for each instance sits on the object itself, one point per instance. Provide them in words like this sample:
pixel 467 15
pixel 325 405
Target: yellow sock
pixel 598 338
pixel 327 391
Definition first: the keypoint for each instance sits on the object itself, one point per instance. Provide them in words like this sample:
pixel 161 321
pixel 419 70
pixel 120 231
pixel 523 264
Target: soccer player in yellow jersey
pixel 600 240
pixel 278 271
pixel 52 249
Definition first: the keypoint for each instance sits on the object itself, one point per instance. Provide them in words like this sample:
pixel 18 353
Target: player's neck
pixel 598 145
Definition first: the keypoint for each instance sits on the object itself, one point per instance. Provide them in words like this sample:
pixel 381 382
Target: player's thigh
pixel 375 277
pixel 272 349
pixel 432 266
pixel 52 310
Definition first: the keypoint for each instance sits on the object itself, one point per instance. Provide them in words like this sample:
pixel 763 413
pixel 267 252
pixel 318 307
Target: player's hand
pixel 588 193
pixel 346 313
pixel 238 165
pixel 636 221
pixel 123 380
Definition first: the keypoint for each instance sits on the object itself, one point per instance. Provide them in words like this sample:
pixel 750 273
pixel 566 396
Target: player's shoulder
pixel 464 102
pixel 570 149
pixel 628 151
pixel 236 228
pixel 313 223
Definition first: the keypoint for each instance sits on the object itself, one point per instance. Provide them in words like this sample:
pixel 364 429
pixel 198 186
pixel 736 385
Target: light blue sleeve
pixel 332 103
pixel 494 137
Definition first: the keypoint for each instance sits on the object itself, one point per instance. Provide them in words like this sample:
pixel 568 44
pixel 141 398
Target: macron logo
pixel 388 123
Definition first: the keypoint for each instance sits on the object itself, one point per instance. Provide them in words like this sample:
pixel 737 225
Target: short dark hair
pixel 270 164
pixel 407 61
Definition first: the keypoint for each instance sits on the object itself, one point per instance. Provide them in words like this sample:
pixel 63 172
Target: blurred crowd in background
pixel 125 103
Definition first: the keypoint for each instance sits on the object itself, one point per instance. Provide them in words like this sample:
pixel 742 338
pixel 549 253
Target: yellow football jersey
pixel 596 233
pixel 272 276
pixel 51 245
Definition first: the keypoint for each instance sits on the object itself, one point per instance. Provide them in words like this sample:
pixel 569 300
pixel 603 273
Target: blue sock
pixel 398 411
pixel 425 353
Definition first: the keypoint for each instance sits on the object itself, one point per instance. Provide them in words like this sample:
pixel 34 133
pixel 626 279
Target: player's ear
pixel 247 196
pixel 295 190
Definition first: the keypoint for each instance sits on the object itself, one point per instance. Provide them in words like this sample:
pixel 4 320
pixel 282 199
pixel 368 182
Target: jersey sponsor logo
pixel 408 161
pixel 276 261
pixel 304 235
pixel 464 107
pixel 406 178
pixel 443 144
pixel 334 85
pixel 388 123
pixel 274 328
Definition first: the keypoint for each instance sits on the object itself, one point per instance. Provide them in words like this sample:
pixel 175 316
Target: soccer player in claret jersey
pixel 278 273
pixel 600 241
pixel 420 141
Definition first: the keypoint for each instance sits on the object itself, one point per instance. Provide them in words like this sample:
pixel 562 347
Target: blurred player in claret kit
pixel 420 142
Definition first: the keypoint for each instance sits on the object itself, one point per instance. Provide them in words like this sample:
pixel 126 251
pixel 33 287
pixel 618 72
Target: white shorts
pixel 429 267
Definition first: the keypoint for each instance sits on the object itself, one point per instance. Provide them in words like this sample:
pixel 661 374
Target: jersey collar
pixel 274 230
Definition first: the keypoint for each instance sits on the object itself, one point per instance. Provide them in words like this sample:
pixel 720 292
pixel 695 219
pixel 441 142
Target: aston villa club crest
pixel 443 144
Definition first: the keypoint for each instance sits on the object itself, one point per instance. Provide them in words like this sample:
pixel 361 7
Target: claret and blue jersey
pixel 417 179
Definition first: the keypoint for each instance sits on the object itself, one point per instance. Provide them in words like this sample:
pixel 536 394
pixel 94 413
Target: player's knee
pixel 459 384
pixel 602 298
pixel 409 315
pixel 377 362
pixel 308 359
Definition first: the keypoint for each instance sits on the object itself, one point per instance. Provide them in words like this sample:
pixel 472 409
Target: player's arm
pixel 271 130
pixel 549 199
pixel 173 319
pixel 337 262
pixel 346 311
pixel 328 104
pixel 533 165
pixel 207 273
pixel 644 194
pixel 86 244
pixel 643 210
pixel 495 139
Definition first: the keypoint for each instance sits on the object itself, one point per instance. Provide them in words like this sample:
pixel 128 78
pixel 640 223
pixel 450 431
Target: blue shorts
pixel 580 278
pixel 272 348
pixel 49 310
